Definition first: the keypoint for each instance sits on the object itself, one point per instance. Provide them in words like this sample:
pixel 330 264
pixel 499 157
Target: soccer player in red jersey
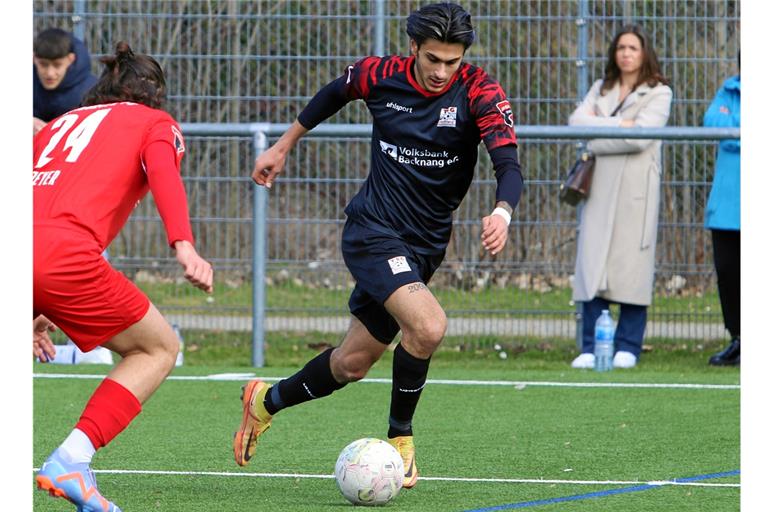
pixel 430 111
pixel 91 166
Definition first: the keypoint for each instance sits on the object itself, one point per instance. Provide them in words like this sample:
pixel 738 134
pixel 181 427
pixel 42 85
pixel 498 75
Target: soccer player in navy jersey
pixel 430 111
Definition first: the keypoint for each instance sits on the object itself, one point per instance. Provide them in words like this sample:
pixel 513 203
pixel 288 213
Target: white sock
pixel 77 448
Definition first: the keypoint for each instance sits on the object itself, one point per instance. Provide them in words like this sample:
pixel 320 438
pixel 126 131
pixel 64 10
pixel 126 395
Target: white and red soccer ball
pixel 369 472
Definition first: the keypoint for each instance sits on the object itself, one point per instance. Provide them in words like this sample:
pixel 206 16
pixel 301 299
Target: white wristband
pixel 504 214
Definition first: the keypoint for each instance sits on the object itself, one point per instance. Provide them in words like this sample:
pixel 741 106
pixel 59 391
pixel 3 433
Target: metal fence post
pixel 581 56
pixel 78 19
pixel 259 259
pixel 379 29
pixel 582 87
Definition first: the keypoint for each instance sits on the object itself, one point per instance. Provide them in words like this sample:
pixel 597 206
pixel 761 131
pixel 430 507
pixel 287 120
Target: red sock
pixel 111 408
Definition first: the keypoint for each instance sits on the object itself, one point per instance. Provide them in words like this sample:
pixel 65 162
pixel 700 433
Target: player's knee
pixel 348 367
pixel 430 332
pixel 354 374
pixel 168 349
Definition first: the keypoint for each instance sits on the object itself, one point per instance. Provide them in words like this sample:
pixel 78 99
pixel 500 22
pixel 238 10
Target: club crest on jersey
pixel 506 112
pixel 178 140
pixel 447 117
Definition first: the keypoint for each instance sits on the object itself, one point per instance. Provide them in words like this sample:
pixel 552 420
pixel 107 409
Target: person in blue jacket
pixel 723 216
pixel 61 75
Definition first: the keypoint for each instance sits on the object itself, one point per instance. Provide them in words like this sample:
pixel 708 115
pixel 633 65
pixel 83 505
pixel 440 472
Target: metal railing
pixel 261 132
pixel 227 62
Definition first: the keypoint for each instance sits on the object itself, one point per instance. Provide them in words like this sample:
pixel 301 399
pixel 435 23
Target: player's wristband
pixel 504 214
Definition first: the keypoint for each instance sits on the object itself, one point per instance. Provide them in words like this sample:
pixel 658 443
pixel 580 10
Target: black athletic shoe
pixel 730 356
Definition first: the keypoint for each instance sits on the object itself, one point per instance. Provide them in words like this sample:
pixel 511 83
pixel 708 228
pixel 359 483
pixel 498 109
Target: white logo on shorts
pixel 399 264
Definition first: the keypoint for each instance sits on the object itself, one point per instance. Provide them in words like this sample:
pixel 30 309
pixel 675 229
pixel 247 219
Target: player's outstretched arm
pixel 271 162
pixel 42 346
pixel 196 270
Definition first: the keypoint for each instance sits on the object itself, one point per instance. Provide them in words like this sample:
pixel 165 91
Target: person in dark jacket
pixel 61 75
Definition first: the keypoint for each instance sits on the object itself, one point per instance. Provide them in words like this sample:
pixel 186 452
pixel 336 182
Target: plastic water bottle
pixel 604 332
pixel 180 355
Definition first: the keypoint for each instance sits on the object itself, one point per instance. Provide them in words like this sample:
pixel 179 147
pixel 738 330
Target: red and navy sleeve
pixel 491 109
pixel 509 176
pixel 354 84
pixel 493 114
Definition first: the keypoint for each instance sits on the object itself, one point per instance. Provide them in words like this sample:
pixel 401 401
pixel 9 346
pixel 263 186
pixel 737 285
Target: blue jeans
pixel 629 330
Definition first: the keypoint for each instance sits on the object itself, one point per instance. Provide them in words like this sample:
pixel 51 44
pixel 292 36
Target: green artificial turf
pixel 528 431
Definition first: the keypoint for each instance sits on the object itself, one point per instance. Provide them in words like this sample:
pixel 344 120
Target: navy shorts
pixel 381 263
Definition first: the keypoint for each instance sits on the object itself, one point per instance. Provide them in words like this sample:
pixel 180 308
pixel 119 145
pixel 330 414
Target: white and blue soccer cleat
pixel 74 482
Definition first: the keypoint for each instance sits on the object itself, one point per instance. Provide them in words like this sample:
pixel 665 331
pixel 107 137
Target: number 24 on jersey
pixel 78 135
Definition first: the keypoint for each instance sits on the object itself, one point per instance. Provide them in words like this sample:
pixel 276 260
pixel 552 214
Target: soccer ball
pixel 369 472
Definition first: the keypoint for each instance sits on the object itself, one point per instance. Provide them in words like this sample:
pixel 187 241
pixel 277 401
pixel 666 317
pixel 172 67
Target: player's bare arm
pixel 196 270
pixel 270 163
pixel 495 228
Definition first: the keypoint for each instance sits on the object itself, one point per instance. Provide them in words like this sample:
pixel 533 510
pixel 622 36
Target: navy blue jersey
pixel 424 145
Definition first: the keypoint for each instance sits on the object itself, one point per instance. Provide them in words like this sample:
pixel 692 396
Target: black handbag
pixel 579 180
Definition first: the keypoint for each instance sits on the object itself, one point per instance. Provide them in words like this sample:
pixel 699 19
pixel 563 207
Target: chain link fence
pixel 261 61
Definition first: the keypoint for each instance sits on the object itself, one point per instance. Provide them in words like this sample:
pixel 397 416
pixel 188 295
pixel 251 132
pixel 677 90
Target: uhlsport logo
pixel 399 108
pixel 447 117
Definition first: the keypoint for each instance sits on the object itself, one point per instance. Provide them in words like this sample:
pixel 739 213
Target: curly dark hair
pixel 128 77
pixel 444 22
pixel 650 71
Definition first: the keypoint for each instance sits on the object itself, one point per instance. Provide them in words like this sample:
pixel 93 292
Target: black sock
pixel 409 374
pixel 315 380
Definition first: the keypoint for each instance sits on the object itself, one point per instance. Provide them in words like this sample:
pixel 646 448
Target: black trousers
pixel 726 246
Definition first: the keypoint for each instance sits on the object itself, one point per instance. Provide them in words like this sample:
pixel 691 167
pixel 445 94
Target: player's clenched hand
pixel 494 235
pixel 268 166
pixel 270 163
pixel 196 270
pixel 42 346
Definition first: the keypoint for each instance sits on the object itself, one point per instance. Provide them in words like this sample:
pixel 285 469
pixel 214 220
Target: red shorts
pixel 79 291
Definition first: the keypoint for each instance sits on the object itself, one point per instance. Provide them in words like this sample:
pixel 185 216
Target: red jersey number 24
pixel 79 135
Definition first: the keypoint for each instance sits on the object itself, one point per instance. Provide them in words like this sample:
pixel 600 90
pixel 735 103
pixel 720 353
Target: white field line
pixel 512 383
pixel 427 478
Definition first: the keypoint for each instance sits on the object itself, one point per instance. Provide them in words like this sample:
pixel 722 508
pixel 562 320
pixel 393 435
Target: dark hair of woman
pixel 128 77
pixel 650 71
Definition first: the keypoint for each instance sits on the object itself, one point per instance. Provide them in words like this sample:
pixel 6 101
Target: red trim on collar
pixel 412 79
